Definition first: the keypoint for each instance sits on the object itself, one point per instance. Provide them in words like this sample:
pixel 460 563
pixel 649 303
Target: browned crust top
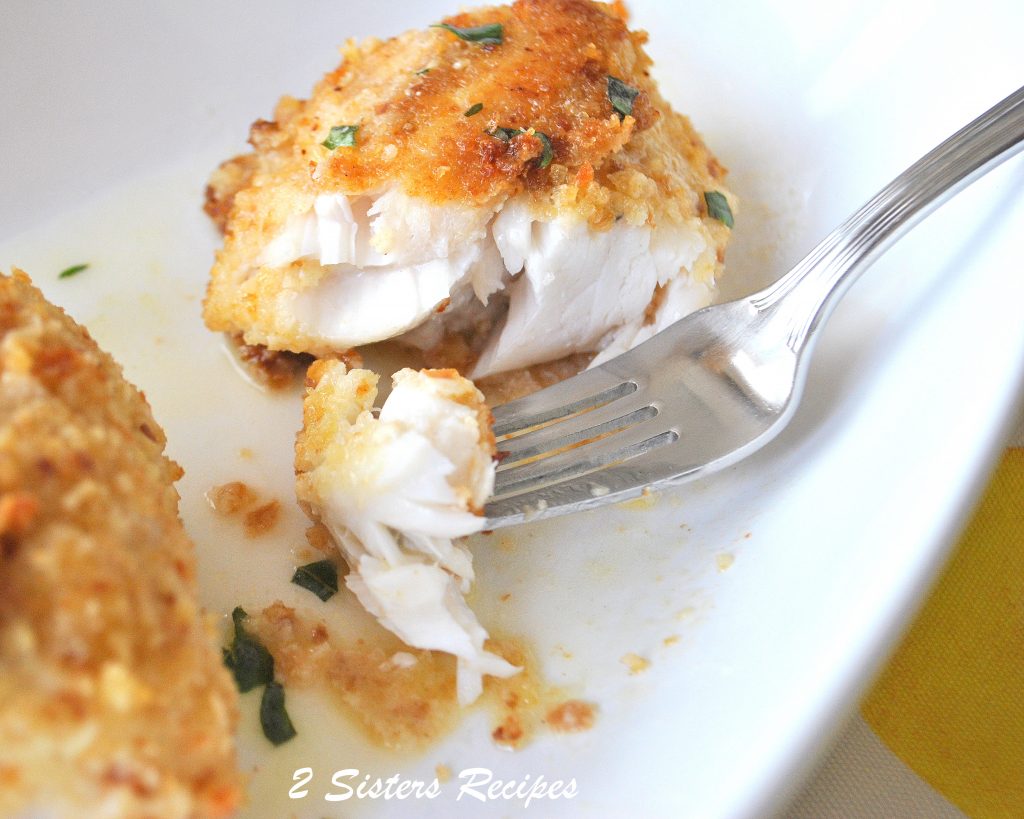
pixel 549 74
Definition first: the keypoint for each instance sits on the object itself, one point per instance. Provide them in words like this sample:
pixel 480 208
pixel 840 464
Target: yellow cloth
pixel 950 703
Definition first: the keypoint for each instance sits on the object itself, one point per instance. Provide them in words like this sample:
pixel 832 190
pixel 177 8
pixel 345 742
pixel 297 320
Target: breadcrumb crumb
pixel 231 498
pixel 635 663
pixel 571 716
pixel 262 519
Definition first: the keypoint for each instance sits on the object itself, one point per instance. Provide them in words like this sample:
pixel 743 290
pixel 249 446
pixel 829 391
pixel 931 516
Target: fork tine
pixel 581 460
pixel 615 415
pixel 589 389
pixel 614 483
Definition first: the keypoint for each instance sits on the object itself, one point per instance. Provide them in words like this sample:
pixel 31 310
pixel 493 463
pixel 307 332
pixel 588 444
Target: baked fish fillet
pixel 512 187
pixel 114 701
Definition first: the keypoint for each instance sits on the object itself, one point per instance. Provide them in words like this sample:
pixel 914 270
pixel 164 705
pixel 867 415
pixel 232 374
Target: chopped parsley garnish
pixel 320 577
pixel 253 665
pixel 247 657
pixel 72 271
pixel 277 726
pixel 505 134
pixel 341 136
pixel 422 71
pixel 548 154
pixel 621 96
pixel 473 109
pixel 487 34
pixel 718 207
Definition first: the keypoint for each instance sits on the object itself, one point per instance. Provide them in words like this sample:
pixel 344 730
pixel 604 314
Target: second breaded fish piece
pixel 114 701
pixel 507 190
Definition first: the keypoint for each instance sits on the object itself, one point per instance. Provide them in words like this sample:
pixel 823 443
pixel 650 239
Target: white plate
pixel 114 114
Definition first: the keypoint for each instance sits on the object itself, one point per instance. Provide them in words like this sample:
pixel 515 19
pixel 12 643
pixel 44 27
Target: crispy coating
pixel 336 397
pixel 409 95
pixel 113 697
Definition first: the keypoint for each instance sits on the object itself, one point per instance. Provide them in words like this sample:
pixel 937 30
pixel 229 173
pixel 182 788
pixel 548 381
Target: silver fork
pixel 722 382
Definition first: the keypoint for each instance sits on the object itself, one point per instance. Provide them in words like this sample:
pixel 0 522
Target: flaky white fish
pixel 397 491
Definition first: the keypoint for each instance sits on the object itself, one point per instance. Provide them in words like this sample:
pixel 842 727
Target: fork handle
pixel 815 285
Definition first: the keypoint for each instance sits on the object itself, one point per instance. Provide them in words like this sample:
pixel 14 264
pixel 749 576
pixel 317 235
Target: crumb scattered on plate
pixel 261 520
pixel 635 663
pixel 403 705
pixel 231 498
pixel 571 716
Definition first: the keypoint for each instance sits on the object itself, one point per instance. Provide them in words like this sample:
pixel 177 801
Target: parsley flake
pixel 253 665
pixel 473 110
pixel 320 577
pixel 72 271
pixel 505 134
pixel 274 719
pixel 341 136
pixel 247 657
pixel 548 154
pixel 718 207
pixel 621 96
pixel 487 34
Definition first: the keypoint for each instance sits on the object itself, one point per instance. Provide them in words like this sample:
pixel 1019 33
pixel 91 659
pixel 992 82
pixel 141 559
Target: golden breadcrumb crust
pixel 333 415
pixel 335 398
pixel 113 697
pixel 409 96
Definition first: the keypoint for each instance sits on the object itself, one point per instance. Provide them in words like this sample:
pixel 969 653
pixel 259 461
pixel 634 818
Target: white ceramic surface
pixel 113 115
